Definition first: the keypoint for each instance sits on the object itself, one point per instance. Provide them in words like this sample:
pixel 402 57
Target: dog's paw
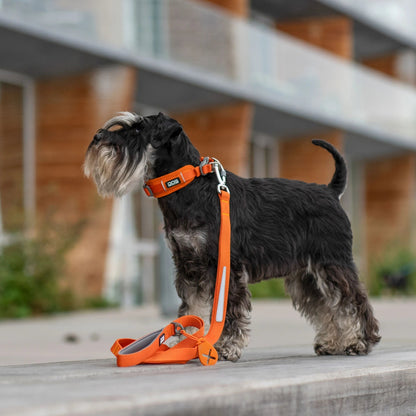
pixel 323 350
pixel 328 349
pixel 228 353
pixel 360 348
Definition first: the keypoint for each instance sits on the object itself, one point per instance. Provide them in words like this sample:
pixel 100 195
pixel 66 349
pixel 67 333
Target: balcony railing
pixel 207 41
pixel 395 16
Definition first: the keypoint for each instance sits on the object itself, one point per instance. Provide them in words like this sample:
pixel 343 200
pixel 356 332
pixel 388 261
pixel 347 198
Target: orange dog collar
pixel 172 182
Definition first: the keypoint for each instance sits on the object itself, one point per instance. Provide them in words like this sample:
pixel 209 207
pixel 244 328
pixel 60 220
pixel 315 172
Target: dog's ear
pixel 165 130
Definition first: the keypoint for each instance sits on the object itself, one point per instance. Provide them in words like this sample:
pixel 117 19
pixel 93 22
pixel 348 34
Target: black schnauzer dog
pixel 280 228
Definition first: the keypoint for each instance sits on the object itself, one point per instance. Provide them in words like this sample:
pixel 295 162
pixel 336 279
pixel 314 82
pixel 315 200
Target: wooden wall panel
pixel 390 188
pixel 389 195
pixel 222 132
pixel 237 7
pixel 69 111
pixel 301 160
pixel 334 33
pixel 11 156
pixel 385 64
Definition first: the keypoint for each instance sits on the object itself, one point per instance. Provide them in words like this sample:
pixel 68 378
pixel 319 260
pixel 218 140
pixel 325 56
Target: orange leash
pixel 152 349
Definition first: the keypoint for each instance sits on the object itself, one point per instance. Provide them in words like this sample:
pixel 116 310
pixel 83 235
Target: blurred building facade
pixel 252 82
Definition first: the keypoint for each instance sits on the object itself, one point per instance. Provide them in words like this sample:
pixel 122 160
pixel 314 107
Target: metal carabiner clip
pixel 221 176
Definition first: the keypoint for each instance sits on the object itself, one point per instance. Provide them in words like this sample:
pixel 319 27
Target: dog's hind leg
pixel 352 313
pixel 235 335
pixel 334 301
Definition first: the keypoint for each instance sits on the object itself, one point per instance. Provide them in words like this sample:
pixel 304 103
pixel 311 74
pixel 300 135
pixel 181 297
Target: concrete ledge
pixel 283 381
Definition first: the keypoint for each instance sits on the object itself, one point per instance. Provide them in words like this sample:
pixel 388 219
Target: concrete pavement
pixel 278 374
pixel 280 381
pixel 89 335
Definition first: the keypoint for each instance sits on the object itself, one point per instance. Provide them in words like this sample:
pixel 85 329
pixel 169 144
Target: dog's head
pixel 130 148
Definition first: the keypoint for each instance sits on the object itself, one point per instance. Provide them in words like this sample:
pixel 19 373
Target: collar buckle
pixel 148 190
pixel 205 162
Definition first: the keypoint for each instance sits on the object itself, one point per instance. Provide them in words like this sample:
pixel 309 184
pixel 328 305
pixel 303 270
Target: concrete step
pixel 89 335
pixel 279 381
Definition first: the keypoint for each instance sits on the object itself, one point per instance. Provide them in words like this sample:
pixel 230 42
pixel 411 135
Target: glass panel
pixel 146 222
pixel 145 245
pixel 263 155
pixel 11 157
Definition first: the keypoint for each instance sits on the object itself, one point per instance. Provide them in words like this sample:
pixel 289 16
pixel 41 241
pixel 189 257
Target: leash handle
pixel 151 349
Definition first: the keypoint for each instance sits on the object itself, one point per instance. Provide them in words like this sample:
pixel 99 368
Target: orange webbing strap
pixel 151 349
pixel 219 307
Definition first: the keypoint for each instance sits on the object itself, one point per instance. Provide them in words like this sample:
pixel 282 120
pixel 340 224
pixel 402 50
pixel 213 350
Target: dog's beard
pixel 114 172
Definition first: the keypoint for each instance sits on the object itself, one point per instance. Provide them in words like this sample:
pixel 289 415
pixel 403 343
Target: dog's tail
pixel 339 180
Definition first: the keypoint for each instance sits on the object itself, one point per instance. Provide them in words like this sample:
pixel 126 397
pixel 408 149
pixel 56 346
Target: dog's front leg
pixel 196 297
pixel 197 300
pixel 235 335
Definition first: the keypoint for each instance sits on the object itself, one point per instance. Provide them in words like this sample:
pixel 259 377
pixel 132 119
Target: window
pixel 263 157
pixel 139 266
pixel 146 32
pixel 11 157
pixel 16 154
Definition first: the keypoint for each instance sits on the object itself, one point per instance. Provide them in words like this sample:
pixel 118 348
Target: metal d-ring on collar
pixel 221 176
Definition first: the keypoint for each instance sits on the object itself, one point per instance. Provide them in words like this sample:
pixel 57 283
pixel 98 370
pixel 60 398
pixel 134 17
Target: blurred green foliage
pixel 394 273
pixel 272 288
pixel 32 275
pixel 30 271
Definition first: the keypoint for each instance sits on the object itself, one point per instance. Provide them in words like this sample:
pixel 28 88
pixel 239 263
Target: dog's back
pixel 290 221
